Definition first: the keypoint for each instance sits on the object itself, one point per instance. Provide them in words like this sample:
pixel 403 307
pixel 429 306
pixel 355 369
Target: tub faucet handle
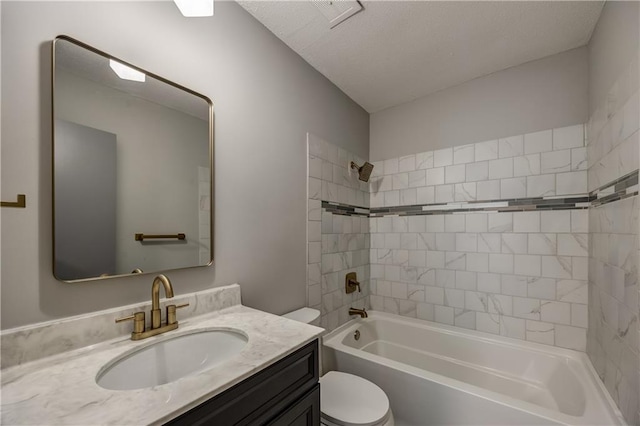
pixel 357 284
pixel 351 283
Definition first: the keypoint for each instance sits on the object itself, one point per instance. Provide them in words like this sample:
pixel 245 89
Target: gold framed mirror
pixel 132 168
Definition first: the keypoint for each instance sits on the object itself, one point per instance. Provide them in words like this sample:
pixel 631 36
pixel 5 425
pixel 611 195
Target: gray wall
pixel 615 41
pixel 85 176
pixel 266 98
pixel 543 94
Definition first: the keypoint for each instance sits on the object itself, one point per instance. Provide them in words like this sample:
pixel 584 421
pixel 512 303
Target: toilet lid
pixel 306 315
pixel 350 400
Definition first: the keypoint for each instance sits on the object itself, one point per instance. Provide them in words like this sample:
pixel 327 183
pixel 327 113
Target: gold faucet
pixel 362 312
pixel 156 314
pixel 139 331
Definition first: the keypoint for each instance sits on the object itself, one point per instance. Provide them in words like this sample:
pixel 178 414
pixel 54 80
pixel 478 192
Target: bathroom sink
pixel 171 359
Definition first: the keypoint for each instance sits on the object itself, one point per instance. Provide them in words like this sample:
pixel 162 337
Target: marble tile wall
pixel 518 274
pixel 337 243
pixel 612 340
pixel 521 274
pixel 546 163
pixel 613 301
pixel 613 139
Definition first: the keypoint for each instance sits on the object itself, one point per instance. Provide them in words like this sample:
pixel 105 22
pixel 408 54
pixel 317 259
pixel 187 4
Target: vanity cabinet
pixel 286 393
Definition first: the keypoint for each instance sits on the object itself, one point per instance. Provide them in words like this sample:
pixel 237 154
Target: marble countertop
pixel 61 389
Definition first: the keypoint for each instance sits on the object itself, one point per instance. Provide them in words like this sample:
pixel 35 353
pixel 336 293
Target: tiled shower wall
pixel 499 236
pixel 519 273
pixel 612 342
pixel 538 164
pixel 337 243
pixel 533 237
pixel 613 295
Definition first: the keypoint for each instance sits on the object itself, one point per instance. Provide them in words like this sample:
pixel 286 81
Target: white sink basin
pixel 171 359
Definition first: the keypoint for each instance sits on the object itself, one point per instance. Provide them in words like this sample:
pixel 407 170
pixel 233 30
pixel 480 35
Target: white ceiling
pixel 397 51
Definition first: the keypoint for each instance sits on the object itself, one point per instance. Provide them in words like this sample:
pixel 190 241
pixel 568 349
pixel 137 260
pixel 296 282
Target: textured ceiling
pixel 397 51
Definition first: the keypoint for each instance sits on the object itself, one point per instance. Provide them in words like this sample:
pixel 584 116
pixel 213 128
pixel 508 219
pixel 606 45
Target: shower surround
pixel 613 336
pixel 533 237
pixel 491 236
pixel 337 243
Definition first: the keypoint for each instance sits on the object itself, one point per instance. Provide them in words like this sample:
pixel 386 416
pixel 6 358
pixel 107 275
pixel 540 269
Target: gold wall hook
pixel 21 202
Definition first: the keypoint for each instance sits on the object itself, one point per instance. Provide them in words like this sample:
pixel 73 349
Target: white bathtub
pixel 436 374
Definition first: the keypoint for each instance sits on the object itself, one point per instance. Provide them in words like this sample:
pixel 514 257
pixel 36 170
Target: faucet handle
pixel 138 321
pixel 351 283
pixel 171 312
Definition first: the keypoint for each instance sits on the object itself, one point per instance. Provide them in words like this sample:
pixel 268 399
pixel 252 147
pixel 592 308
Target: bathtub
pixel 435 374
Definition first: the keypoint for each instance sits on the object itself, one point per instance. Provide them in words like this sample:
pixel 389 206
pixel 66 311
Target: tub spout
pixel 362 312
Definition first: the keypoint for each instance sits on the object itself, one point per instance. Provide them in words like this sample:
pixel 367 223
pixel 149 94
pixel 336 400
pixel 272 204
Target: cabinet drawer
pixel 306 412
pixel 261 396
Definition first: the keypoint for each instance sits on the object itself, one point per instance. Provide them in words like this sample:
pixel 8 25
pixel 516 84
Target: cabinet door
pixel 261 397
pixel 305 412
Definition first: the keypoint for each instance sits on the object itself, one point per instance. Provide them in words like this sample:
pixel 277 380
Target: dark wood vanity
pixel 286 393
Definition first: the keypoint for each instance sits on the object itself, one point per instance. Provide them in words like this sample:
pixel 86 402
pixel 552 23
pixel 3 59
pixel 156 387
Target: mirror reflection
pixel 132 168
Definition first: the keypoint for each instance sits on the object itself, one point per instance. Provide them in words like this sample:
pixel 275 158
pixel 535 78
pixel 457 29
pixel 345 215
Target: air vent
pixel 337 11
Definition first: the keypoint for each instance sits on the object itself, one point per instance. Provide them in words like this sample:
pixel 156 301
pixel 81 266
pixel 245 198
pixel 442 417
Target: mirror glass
pixel 132 168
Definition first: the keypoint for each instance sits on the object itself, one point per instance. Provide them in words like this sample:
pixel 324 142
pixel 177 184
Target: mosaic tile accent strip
pixel 524 204
pixel 626 186
pixel 345 209
pixel 619 189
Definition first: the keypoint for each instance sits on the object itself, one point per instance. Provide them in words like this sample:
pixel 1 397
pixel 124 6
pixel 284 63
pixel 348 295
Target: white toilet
pixel 345 399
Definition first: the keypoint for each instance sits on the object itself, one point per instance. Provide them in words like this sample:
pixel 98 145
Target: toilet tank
pixel 306 315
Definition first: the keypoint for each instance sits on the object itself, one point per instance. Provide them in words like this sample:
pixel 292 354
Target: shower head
pixel 364 171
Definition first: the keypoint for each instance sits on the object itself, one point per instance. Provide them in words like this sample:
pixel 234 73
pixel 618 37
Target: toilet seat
pixel 349 400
